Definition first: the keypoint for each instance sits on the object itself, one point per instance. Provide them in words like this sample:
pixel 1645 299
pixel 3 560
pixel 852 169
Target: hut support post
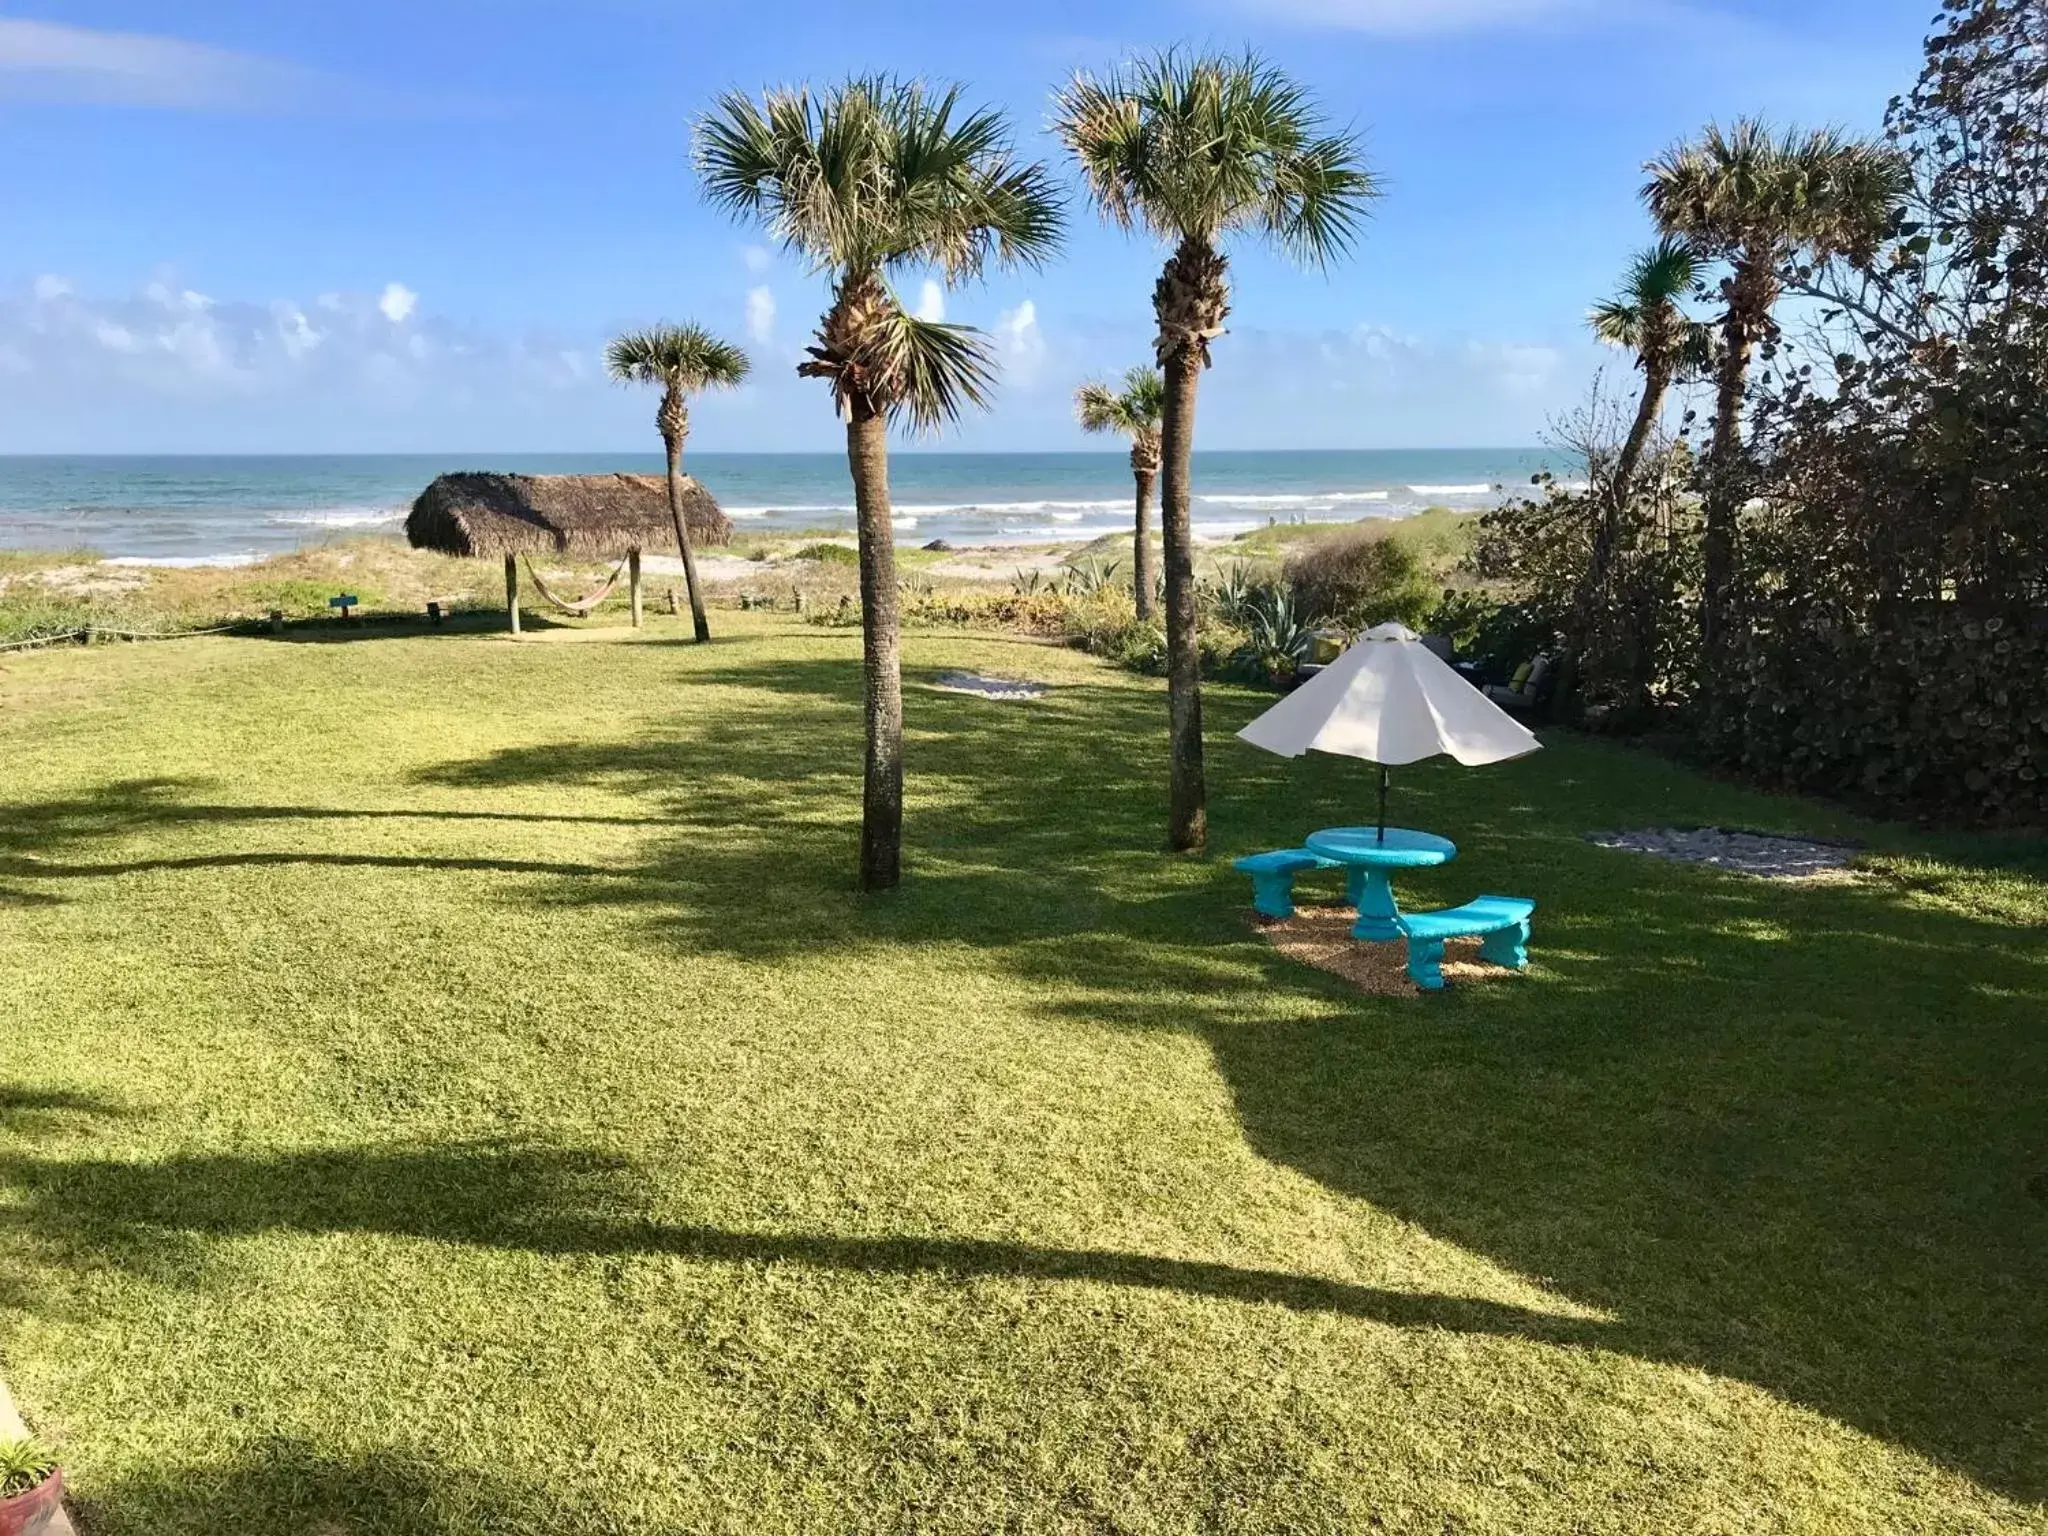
pixel 512 591
pixel 633 582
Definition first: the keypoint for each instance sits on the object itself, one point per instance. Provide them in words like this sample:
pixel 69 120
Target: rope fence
pixel 85 634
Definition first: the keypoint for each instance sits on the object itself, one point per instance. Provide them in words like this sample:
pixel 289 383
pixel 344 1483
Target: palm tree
pixel 1646 317
pixel 684 360
pixel 1195 148
pixel 870 179
pixel 1134 412
pixel 1758 199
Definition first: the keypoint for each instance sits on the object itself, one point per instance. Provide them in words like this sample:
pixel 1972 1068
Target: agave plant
pixel 1089 578
pixel 1232 594
pixel 1278 640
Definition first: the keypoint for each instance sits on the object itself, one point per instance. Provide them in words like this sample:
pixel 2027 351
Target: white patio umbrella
pixel 1391 700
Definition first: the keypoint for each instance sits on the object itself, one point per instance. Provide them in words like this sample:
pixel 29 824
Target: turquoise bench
pixel 1273 878
pixel 1502 921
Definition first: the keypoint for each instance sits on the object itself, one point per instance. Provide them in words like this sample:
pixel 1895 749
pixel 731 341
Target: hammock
pixel 580 606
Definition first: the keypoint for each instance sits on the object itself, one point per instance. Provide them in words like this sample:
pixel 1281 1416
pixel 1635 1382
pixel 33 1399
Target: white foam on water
pixel 1296 499
pixel 1226 528
pixel 340 517
pixel 1450 490
pixel 187 562
pixel 800 507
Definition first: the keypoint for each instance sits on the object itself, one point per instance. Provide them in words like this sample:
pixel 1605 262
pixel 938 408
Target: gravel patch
pixel 1007 689
pixel 1743 853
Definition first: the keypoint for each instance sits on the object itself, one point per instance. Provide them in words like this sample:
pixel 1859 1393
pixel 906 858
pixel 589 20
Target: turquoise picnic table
pixel 1373 856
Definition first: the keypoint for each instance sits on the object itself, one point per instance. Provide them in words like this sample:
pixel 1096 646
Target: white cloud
pixel 50 61
pixel 1022 343
pixel 1019 331
pixel 758 258
pixel 295 333
pixel 174 345
pixel 931 304
pixel 398 303
pixel 49 288
pixel 761 314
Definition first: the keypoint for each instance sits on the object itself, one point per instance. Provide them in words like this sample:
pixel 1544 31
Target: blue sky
pixel 234 225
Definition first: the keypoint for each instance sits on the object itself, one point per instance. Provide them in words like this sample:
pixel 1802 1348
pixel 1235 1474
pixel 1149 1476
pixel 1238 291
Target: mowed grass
pixel 449 1086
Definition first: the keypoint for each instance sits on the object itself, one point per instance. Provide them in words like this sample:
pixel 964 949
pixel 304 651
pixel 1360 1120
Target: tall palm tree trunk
pixel 673 419
pixel 1724 483
pixel 1144 580
pixel 1613 506
pixel 1656 385
pixel 1187 791
pixel 881 831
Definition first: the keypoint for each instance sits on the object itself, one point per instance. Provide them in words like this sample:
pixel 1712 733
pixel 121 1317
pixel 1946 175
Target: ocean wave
pixel 1296 499
pixel 787 510
pixel 1451 490
pixel 1063 511
pixel 339 517
pixel 1226 528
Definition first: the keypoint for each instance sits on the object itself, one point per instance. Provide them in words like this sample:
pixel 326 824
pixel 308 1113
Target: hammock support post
pixel 633 581
pixel 512 591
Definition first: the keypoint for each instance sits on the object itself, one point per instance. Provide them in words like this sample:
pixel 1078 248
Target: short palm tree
pixel 1194 149
pixel 1757 199
pixel 1647 317
pixel 684 360
pixel 1132 411
pixel 870 179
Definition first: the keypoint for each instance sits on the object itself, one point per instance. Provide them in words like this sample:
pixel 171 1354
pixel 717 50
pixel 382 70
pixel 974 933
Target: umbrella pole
pixel 1384 776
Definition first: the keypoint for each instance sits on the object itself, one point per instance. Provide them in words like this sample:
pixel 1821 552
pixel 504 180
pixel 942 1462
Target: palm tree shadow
pixel 277 1483
pixel 569 1203
pixel 1811 1176
pixel 1743 1119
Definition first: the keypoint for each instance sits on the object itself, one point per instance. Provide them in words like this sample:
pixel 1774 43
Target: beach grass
pixel 451 1086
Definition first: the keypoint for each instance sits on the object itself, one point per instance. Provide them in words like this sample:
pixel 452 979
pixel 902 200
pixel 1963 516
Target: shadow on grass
pixel 282 1485
pixel 555 1202
pixel 1783 1134
pixel 41 869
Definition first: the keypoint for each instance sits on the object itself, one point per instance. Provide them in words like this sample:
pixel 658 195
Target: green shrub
pixel 829 554
pixel 1359 577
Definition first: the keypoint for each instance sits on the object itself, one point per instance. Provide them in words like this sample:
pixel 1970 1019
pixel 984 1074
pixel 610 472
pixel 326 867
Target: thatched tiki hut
pixel 597 516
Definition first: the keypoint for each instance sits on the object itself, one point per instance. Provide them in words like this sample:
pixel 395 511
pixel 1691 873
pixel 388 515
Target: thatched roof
pixel 483 514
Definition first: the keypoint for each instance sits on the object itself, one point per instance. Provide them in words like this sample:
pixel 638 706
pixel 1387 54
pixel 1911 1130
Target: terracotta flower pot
pixel 29 1514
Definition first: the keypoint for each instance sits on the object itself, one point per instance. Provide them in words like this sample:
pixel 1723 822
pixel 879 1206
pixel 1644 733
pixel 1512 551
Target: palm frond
pixel 879 173
pixel 937 370
pixel 1617 322
pixel 1131 410
pixel 1197 146
pixel 1098 408
pixel 1745 189
pixel 687 358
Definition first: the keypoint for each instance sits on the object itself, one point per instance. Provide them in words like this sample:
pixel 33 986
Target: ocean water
pixel 206 510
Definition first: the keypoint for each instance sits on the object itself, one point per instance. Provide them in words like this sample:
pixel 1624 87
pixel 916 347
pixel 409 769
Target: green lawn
pixel 450 1087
